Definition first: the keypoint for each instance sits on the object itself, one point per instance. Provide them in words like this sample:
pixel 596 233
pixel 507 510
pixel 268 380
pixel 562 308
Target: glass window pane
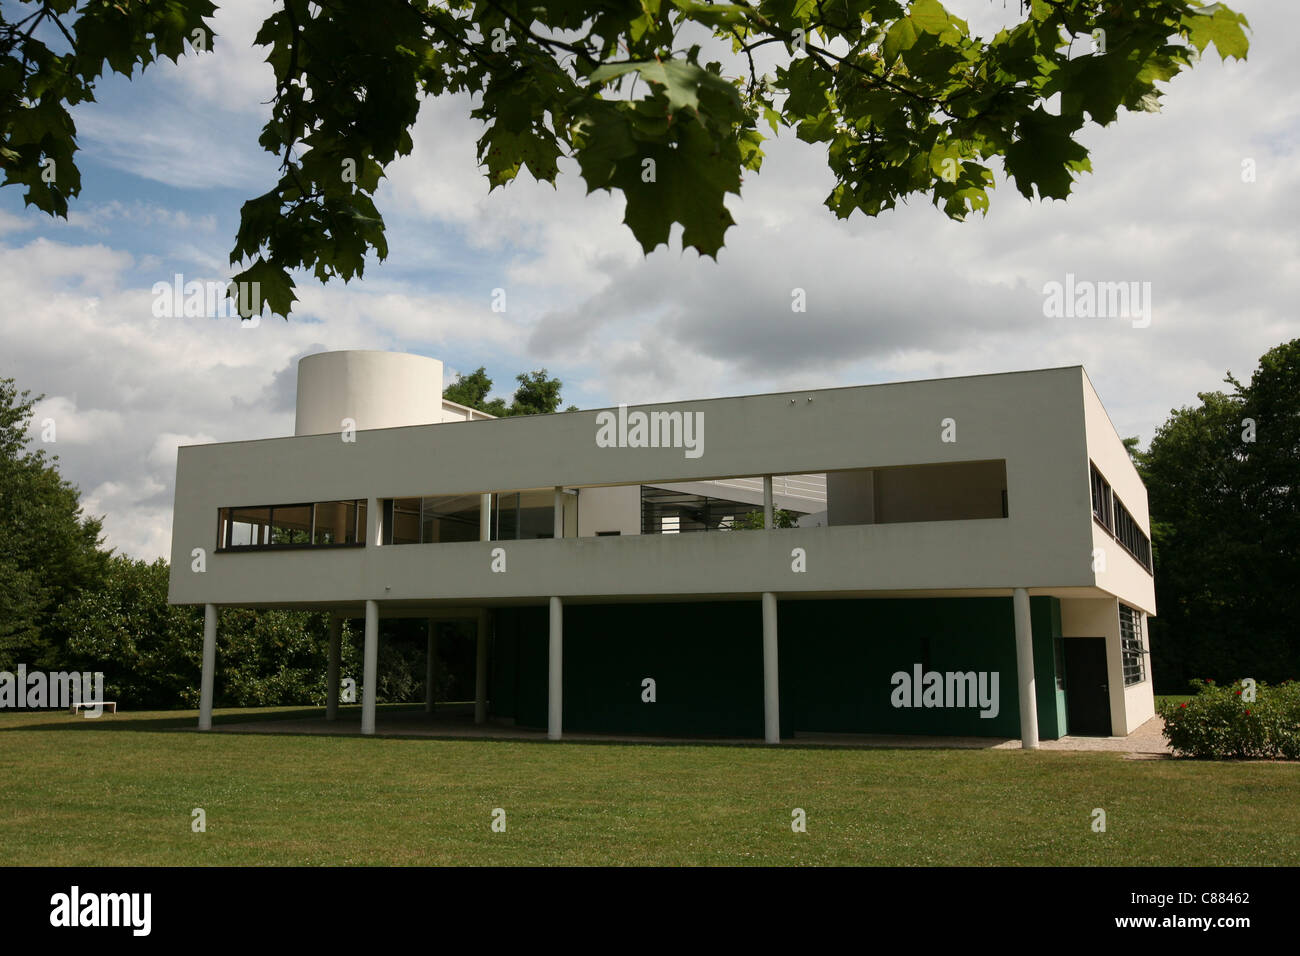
pixel 291 525
pixel 324 523
pixel 405 521
pixel 505 516
pixel 536 514
pixel 446 518
pixel 248 527
pixel 1130 630
pixel 334 521
pixel 357 534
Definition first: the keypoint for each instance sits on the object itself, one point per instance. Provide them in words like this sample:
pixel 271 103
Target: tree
pixel 902 97
pixel 150 652
pixel 270 657
pixel 1223 479
pixel 48 548
pixel 472 391
pixel 536 395
pixel 753 520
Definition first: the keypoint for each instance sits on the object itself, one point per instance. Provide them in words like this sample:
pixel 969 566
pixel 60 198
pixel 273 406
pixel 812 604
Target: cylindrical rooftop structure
pixel 371 389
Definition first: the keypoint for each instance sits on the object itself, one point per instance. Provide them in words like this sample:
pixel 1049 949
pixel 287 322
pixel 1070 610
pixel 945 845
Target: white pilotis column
pixel 767 501
pixel 1025 670
pixel 481 649
pixel 771 687
pixel 554 698
pixel 370 668
pixel 559 513
pixel 430 666
pixel 481 669
pixel 209 666
pixel 332 669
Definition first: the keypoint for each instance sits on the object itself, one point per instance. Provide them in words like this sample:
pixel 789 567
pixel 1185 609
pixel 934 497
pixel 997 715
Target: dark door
pixel 1087 696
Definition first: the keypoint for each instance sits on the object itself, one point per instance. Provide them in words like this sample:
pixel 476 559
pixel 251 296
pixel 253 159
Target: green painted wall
pixel 706 660
pixel 517 665
pixel 837 658
pixel 1045 615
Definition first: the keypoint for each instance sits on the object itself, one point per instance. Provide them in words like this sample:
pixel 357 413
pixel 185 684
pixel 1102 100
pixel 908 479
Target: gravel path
pixel 1147 739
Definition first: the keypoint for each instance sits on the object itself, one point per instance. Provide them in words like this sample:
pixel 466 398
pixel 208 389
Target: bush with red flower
pixel 1219 723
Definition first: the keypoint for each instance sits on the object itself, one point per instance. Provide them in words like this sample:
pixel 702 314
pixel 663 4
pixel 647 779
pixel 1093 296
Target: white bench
pixel 110 706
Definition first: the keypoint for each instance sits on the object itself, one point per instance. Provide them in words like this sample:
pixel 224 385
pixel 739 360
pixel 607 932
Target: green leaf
pixel 1218 25
pixel 899 37
pixel 267 285
pixel 1043 155
pixel 682 81
pixel 692 175
pixel 773 118
pixel 929 16
pixel 711 14
pixel 602 137
pixel 504 152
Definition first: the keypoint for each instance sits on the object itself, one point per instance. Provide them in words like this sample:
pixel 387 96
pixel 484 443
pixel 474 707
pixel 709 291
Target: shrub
pixel 151 652
pixel 1219 723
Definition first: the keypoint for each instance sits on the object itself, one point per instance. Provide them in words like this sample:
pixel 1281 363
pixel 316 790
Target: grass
pixel 121 790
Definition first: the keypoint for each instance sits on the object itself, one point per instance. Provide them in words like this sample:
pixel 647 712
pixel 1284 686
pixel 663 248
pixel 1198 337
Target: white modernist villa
pixel 971 555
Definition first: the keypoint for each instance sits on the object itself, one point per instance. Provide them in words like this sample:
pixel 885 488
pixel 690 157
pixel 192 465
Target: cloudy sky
pixel 167 160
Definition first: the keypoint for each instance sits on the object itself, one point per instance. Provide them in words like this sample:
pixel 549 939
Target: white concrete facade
pixel 1035 433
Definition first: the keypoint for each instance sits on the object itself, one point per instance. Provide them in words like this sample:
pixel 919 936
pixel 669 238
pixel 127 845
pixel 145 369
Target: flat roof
pixel 679 401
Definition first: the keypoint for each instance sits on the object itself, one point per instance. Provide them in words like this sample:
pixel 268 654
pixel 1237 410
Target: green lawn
pixel 120 791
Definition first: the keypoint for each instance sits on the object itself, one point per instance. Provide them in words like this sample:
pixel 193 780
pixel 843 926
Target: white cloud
pixel 133 529
pixel 11 223
pixel 126 388
pixel 234 75
pixel 98 217
pixel 192 124
pixel 164 448
pixel 58 420
pixel 190 150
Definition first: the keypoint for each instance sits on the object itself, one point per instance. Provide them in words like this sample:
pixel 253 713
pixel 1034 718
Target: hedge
pixel 1223 722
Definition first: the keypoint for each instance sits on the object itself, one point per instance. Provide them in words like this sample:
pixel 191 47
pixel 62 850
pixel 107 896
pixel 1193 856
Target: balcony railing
pixel 812 488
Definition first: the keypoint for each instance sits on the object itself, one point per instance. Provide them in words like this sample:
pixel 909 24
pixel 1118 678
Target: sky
pixel 168 157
